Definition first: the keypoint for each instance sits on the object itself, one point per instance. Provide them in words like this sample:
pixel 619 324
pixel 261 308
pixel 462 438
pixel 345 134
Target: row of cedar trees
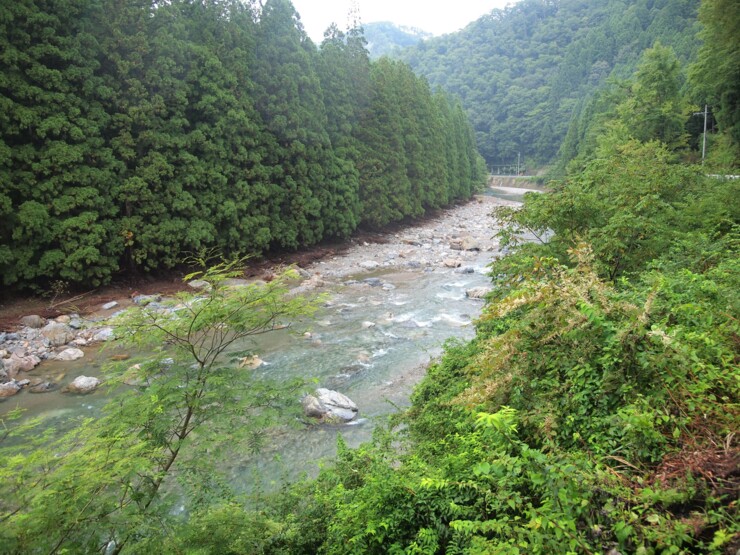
pixel 133 132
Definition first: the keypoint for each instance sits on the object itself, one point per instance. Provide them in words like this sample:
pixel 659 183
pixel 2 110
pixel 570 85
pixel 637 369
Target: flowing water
pixel 369 342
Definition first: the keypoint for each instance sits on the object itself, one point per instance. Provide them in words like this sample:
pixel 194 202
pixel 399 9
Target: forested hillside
pixel 522 72
pixel 386 38
pixel 132 133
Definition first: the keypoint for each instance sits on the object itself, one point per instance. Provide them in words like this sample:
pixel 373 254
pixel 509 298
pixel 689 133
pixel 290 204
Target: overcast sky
pixel 434 16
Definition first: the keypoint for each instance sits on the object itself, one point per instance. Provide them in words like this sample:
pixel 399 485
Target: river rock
pixel 57 334
pixel 200 284
pixel 465 270
pixel 369 264
pixel 251 362
pixel 452 263
pixel 108 306
pixel 69 354
pixel 478 292
pixel 17 363
pixel 83 384
pixel 339 407
pixel 368 324
pixel 9 389
pixel 63 319
pixel 143 300
pixel 43 387
pixel 312 407
pixel 33 321
pixel 103 334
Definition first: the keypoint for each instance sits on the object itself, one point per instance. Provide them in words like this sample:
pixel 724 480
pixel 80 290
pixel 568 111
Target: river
pixel 371 340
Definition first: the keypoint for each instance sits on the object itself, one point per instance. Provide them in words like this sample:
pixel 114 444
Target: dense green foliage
pixel 523 71
pixel 716 74
pixel 113 482
pixel 134 132
pixel 595 411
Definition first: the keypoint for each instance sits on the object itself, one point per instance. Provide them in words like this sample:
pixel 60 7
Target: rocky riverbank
pixel 446 243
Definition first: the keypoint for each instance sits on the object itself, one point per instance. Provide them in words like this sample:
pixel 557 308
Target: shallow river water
pixel 371 343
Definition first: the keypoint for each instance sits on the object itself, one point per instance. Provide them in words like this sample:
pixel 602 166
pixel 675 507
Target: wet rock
pixel 470 244
pixel 465 270
pixel 452 263
pixel 83 384
pixel 329 406
pixel 369 265
pixel 478 292
pixel 143 300
pixel 69 354
pixel 103 334
pixel 57 334
pixel 9 389
pixel 312 407
pixel 251 362
pixel 33 321
pixel 235 282
pixel 108 306
pixel 42 387
pixel 366 325
pixel 200 284
pixel 16 363
pixel 373 282
pixel 75 323
pixel 135 376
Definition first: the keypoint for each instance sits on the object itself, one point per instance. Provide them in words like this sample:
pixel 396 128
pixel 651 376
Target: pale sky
pixel 434 16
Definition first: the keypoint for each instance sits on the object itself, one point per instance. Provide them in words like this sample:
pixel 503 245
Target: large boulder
pixel 329 406
pixel 57 334
pixel 83 384
pixel 9 389
pixel 452 262
pixel 369 265
pixel 33 321
pixel 103 334
pixel 68 354
pixel 16 363
pixel 478 292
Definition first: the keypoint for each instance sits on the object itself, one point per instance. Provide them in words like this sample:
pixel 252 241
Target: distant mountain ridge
pixel 522 72
pixel 388 39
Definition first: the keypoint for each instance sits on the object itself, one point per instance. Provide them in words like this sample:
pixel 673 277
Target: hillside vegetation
pixel 523 71
pixel 385 38
pixel 594 412
pixel 132 133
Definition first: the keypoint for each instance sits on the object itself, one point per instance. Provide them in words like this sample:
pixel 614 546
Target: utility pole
pixel 518 162
pixel 704 138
